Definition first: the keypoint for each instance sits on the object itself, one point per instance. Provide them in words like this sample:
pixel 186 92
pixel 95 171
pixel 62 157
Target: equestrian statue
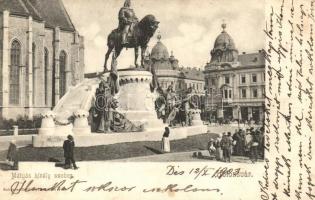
pixel 131 33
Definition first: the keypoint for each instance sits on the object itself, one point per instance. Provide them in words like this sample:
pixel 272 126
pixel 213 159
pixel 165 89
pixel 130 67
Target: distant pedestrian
pixel 248 142
pixel 226 144
pixel 211 148
pixel 242 143
pixel 238 142
pixel 217 145
pixel 229 135
pixel 254 148
pixel 12 156
pixel 68 148
pixel 166 147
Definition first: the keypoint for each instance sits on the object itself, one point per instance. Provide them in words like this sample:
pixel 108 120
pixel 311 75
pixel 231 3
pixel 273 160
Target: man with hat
pixel 226 144
pixel 68 147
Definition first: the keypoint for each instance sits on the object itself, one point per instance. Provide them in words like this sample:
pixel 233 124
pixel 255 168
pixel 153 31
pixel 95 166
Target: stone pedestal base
pixel 64 130
pixel 46 131
pixel 196 120
pixel 148 119
pixel 135 99
pixel 95 139
pixel 81 126
pixel 49 140
pixel 48 124
pixel 82 131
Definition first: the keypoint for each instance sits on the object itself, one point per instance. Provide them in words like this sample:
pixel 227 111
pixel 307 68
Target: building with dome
pixel 169 73
pixel 235 83
pixel 41 56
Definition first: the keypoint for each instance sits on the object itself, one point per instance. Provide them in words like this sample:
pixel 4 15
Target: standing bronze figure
pixel 131 33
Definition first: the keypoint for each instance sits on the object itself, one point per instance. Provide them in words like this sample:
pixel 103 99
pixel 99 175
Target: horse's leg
pixel 143 49
pixel 115 55
pixel 118 51
pixel 109 50
pixel 136 56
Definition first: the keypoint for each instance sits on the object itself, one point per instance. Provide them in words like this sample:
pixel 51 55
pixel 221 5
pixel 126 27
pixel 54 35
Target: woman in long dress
pixel 211 149
pixel 219 152
pixel 166 147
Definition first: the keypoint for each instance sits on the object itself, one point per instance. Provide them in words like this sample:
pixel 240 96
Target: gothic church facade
pixel 41 56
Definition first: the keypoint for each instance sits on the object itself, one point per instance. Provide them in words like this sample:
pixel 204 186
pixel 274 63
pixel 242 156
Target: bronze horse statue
pixel 140 37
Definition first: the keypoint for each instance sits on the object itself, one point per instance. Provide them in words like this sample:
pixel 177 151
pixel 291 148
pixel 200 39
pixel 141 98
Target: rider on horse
pixel 142 32
pixel 127 18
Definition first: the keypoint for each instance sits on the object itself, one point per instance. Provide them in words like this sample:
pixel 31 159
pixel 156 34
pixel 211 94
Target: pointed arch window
pixel 62 73
pixel 46 65
pixel 14 75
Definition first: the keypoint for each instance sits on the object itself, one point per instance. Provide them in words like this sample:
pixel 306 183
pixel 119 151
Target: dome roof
pixel 159 51
pixel 224 48
pixel 224 41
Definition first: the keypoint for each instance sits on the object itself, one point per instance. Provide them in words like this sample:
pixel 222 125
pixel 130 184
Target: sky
pixel 188 27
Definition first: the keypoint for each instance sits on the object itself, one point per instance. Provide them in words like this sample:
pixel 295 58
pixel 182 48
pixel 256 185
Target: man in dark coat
pixel 68 147
pixel 254 147
pixel 239 143
pixel 226 144
pixel 12 156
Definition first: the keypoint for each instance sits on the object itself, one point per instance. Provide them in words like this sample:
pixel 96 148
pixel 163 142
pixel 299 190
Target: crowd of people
pixel 244 142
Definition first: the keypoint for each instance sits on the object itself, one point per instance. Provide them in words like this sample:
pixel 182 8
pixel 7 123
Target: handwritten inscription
pixel 81 185
pixel 289 56
pixel 221 172
pixel 66 182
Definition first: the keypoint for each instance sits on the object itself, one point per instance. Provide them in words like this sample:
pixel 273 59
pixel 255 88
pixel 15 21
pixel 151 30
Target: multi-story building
pixel 41 56
pixel 169 73
pixel 235 83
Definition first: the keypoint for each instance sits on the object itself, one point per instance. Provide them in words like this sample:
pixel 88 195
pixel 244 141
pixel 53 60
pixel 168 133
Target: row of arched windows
pixel 14 73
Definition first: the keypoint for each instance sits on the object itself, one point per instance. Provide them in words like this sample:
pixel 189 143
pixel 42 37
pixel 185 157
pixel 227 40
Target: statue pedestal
pixel 136 102
pixel 48 124
pixel 81 126
pixel 196 120
pixel 135 99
